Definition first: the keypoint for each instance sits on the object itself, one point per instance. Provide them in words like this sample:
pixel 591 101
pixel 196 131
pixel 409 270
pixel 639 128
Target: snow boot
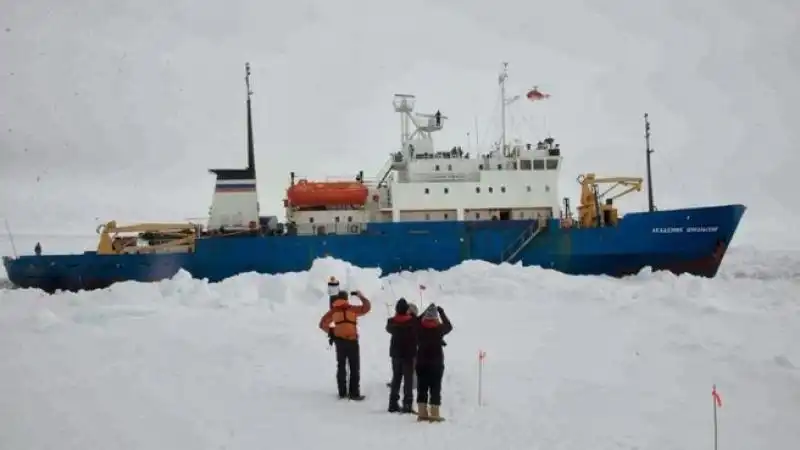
pixel 394 407
pixel 357 397
pixel 407 409
pixel 422 412
pixel 434 414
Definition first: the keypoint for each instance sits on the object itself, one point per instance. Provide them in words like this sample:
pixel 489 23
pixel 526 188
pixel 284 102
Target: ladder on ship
pixel 522 242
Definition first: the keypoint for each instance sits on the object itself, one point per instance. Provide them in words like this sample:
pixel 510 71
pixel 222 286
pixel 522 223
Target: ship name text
pixel 671 230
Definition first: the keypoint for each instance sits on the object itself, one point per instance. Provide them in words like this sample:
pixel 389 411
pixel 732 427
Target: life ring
pixel 354 229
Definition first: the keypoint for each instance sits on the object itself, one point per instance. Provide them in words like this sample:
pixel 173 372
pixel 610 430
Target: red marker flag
pixel 716 397
pixel 481 355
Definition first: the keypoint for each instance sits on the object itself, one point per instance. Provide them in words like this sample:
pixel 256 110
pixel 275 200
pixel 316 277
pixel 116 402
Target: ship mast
pixel 502 80
pixel 650 201
pixel 251 151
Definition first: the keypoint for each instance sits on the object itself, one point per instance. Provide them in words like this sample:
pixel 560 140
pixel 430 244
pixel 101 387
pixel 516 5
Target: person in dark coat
pixel 412 309
pixel 402 350
pixel 433 326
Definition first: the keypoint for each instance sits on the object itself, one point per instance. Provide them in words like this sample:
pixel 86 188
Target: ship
pixel 427 208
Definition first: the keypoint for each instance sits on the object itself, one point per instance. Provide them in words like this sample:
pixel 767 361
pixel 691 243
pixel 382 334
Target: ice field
pixel 116 110
pixel 572 362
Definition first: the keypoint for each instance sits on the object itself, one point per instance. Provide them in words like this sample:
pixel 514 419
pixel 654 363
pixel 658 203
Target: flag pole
pixel 716 401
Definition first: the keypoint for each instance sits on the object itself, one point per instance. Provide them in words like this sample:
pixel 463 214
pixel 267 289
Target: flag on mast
pixel 535 94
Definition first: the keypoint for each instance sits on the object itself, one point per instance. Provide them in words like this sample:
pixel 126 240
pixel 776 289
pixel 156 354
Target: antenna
pixel 502 80
pixel 247 79
pixel 650 201
pixel 251 151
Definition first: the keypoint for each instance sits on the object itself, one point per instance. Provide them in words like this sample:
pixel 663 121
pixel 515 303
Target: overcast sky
pixel 115 109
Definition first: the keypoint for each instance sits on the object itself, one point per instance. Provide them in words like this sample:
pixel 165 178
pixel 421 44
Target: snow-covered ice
pixel 572 362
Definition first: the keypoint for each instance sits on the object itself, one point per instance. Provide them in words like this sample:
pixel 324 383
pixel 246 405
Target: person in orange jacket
pixel 344 332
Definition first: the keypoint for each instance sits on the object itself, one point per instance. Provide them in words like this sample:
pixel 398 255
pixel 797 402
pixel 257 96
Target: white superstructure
pixel 515 180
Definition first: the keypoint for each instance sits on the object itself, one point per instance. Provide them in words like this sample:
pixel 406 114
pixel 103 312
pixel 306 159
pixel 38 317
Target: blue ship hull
pixel 690 240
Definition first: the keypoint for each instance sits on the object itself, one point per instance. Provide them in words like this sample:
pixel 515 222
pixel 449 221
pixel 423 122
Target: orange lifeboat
pixel 329 193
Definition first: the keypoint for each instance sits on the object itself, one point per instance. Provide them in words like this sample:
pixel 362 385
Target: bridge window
pixel 445 216
pixel 446 190
pixel 477 215
pixel 538 164
pixel 491 190
pixel 552 164
pixel 528 188
pixel 478 190
pixel 349 218
pixel 427 191
pixel 450 167
pixel 310 220
pixel 436 167
pixel 336 219
pixel 524 164
pixel 503 189
pixel 427 216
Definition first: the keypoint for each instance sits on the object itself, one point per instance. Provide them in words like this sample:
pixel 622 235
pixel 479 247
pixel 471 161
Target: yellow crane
pixel 173 237
pixel 591 212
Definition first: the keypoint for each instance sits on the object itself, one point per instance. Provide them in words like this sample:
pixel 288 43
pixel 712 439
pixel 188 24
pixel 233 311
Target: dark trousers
pixel 429 384
pixel 348 357
pixel 402 372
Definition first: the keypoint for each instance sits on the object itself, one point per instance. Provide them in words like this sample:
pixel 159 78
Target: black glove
pixel 440 309
pixel 330 336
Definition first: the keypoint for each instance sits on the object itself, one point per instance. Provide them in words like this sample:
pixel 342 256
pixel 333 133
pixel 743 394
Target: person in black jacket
pixel 433 326
pixel 402 350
